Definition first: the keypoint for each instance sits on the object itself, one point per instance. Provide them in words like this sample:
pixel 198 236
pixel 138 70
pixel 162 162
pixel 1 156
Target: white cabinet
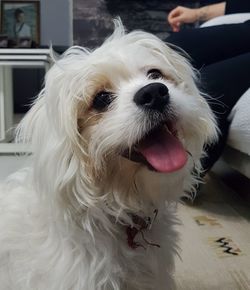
pixel 10 58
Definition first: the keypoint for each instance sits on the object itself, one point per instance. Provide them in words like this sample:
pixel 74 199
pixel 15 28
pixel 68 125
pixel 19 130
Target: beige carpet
pixel 215 240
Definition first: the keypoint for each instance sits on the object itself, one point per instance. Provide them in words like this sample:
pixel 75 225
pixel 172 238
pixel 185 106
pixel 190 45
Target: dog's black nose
pixel 153 96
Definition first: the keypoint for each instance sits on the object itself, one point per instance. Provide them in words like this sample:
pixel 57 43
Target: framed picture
pixel 20 21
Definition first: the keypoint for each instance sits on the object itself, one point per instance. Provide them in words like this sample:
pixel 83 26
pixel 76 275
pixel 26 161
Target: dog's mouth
pixel 160 149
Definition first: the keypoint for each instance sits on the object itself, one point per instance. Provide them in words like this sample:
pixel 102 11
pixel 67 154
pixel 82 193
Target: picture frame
pixel 20 21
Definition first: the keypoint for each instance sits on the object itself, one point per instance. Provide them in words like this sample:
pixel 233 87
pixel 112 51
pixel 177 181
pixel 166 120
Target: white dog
pixel 116 134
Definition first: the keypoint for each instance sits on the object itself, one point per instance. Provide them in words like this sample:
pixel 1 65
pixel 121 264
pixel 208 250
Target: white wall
pixel 56 22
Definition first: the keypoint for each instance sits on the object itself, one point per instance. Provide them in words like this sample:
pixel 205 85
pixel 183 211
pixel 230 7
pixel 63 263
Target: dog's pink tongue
pixel 163 151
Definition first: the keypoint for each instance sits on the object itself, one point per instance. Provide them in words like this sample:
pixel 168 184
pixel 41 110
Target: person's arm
pixel 211 11
pixel 181 14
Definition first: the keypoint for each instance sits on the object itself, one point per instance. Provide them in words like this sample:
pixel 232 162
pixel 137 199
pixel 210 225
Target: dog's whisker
pixel 92 116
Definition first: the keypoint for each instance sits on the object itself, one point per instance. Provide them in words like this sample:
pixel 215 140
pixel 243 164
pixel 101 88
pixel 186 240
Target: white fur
pixel 63 220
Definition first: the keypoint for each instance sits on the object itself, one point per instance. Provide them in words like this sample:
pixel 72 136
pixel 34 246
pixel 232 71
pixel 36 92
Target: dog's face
pixel 142 106
pixel 129 107
pixel 133 110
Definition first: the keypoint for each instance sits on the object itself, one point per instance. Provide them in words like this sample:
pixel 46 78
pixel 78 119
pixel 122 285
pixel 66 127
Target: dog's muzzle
pixel 153 97
pixel 159 148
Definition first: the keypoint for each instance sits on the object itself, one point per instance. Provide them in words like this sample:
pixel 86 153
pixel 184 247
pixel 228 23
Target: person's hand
pixel 181 15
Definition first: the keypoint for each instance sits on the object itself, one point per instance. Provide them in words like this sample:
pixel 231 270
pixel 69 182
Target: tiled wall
pixel 92 19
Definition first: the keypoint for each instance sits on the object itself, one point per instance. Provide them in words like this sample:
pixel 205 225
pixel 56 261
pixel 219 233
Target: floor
pixel 215 232
pixel 215 236
pixel 9 164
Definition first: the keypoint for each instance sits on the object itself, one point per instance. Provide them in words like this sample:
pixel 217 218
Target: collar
pixel 140 226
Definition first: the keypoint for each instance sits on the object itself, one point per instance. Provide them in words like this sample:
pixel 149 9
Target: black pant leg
pixel 222 54
pixel 225 82
pixel 237 6
pixel 212 44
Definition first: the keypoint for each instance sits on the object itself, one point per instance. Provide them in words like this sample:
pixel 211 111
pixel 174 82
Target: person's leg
pixel 212 44
pixel 221 53
pixel 237 6
pixel 225 82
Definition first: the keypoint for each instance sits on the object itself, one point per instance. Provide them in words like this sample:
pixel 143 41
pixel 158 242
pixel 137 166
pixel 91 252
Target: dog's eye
pixel 154 74
pixel 102 100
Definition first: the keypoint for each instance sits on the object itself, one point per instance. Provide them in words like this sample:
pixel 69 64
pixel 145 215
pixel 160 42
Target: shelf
pixel 10 58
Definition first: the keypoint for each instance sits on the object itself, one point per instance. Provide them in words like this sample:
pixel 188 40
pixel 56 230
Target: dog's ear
pixel 51 127
pixel 54 112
